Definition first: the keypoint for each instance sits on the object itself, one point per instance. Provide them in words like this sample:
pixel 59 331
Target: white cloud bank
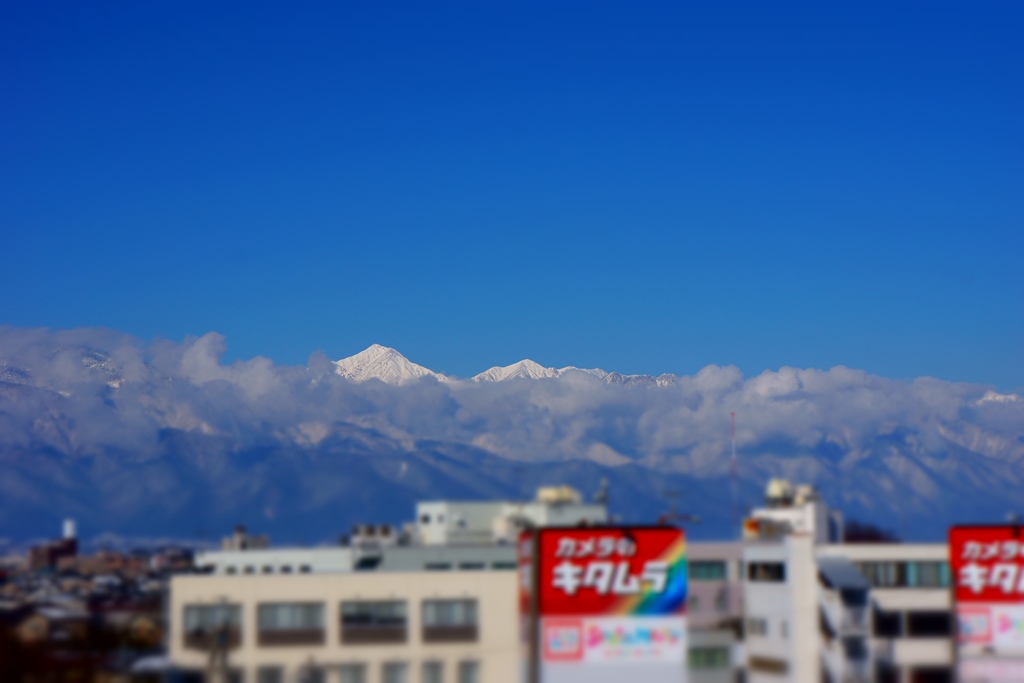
pixel 86 392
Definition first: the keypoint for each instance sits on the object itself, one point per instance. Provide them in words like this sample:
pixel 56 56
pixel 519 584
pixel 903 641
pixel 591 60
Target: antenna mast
pixel 735 476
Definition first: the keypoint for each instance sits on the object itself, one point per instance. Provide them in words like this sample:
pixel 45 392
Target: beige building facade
pixel 373 627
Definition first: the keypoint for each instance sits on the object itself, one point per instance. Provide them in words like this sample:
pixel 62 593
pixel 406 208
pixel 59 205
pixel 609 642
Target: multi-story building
pixel 453 567
pixel 48 555
pixel 714 612
pixel 911 621
pixel 355 627
pixel 816 609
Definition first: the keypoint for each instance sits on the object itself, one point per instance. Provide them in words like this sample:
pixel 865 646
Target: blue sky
pixel 643 189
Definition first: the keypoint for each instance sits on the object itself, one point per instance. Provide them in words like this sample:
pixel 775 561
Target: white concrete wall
pixel 790 609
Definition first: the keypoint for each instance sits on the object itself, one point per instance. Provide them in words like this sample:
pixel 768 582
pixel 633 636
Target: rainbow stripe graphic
pixel 670 601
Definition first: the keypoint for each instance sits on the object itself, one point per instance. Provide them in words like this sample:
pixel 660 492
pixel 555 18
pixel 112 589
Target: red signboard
pixel 987 564
pixel 612 571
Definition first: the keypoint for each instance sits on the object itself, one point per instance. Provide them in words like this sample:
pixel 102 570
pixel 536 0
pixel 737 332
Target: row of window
pixel 302 623
pixel 925 574
pixel 269 569
pixel 468 566
pixel 429 566
pixel 702 658
pixel 913 624
pixel 707 570
pixel 391 672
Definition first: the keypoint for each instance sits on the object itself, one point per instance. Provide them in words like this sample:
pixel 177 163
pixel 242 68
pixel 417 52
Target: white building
pixel 479 522
pixel 446 535
pixel 842 612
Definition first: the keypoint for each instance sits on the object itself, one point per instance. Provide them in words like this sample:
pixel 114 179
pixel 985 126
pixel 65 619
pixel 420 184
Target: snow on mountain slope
pixel 525 369
pixel 996 397
pixel 383 363
pixel 594 372
pixel 665 380
pixel 391 367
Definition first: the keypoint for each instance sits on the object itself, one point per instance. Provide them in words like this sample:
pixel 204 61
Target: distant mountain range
pixel 391 367
pixel 166 439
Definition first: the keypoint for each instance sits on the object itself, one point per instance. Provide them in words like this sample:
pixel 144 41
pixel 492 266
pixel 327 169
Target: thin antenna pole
pixel 735 478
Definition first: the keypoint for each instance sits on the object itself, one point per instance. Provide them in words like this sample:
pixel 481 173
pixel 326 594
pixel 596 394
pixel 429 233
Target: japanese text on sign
pixel 609 577
pixel 987 564
pixel 1004 576
pixel 600 547
pixel 1001 550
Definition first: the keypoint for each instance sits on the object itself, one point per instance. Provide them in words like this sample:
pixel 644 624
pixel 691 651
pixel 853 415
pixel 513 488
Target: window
pixel 903 574
pixel 381 621
pixel 766 571
pixel 311 674
pixel 707 570
pixel 757 627
pixel 853 597
pixel 437 566
pixel 232 570
pixel 709 658
pixel 305 569
pixel 395 672
pixel 291 623
pixel 448 621
pixel 767 665
pixel 722 600
pixel 352 673
pixel 286 569
pixel 267 569
pixel 504 565
pixel 433 672
pixel 250 570
pixel 928 574
pixel 472 566
pixel 888 624
pixel 855 649
pixel 931 674
pixel 469 672
pixel 424 519
pixel 924 574
pixel 693 603
pixel 929 625
pixel 269 674
pixel 209 625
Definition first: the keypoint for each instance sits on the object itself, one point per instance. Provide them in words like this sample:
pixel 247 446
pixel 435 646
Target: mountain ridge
pixel 122 433
pixel 391 367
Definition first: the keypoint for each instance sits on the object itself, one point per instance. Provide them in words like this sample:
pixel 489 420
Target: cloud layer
pixel 926 448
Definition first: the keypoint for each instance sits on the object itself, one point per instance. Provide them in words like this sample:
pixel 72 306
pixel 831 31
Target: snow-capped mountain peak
pixel 593 372
pixel 383 363
pixel 526 369
pixel 996 397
